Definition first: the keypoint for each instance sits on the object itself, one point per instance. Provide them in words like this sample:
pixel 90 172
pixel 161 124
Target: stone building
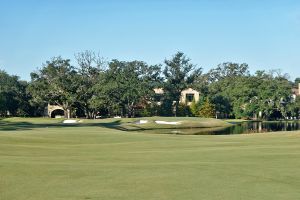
pixel 187 95
pixel 54 111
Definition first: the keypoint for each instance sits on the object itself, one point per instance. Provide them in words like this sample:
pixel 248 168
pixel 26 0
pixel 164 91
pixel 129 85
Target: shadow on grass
pixel 6 125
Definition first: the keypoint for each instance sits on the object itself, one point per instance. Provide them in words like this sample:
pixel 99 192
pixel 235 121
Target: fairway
pixel 99 162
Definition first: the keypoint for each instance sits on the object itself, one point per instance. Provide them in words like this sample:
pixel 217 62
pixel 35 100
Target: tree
pixel 56 84
pixel 14 99
pixel 274 94
pixel 184 110
pixel 297 82
pixel 228 70
pixel 126 85
pixel 9 89
pixel 179 74
pixel 207 110
pixel 229 88
pixel 90 66
pixel 196 106
pixel 24 98
pixel 240 95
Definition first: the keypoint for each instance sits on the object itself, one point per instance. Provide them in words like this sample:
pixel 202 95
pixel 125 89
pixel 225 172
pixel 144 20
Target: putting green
pixel 39 160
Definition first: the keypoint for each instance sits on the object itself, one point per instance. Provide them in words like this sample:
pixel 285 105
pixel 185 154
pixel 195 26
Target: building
pixel 187 96
pixel 54 111
pixel 296 92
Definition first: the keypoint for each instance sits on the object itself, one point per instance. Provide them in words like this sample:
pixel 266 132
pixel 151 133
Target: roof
pixel 188 90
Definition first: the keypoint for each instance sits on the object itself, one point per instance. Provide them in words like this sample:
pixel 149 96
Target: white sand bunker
pixel 169 123
pixel 70 121
pixel 141 122
pixel 176 132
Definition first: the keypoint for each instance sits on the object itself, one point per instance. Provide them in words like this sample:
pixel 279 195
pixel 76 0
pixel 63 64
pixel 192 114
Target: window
pixel 157 97
pixel 189 98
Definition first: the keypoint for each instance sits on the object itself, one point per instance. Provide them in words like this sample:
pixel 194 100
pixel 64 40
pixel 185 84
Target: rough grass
pixel 100 162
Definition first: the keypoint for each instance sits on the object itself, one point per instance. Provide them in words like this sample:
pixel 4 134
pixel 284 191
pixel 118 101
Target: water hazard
pixel 237 128
pixel 258 127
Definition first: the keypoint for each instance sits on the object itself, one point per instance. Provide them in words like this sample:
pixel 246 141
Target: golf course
pixel 45 159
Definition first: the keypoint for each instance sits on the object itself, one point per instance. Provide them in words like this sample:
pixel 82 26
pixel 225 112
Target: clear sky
pixel 263 33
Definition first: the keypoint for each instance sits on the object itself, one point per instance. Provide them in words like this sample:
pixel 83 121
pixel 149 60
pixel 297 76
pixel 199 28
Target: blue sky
pixel 263 33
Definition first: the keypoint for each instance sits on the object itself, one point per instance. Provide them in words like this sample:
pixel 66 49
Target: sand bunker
pixel 141 122
pixel 70 121
pixel 169 123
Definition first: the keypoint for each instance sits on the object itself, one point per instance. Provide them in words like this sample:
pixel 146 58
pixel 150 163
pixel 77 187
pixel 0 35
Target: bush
pixel 207 110
pixel 166 108
pixel 184 110
pixel 150 110
pixel 196 106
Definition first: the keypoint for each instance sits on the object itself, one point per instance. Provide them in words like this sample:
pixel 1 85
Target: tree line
pixel 95 87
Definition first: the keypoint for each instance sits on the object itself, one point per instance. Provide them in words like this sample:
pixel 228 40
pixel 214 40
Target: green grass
pixel 185 123
pixel 125 124
pixel 45 160
pixel 236 120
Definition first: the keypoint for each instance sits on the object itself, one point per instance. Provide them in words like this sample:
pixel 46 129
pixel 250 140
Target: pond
pixel 259 127
pixel 238 128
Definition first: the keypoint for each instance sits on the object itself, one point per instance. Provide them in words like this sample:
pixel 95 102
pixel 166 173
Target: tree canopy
pixel 55 83
pixel 93 87
pixel 179 74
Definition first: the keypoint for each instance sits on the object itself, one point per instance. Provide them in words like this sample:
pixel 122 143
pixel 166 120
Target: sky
pixel 263 33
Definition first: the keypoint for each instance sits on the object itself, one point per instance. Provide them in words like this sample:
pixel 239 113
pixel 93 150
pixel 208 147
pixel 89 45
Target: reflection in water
pixel 240 128
pixel 258 127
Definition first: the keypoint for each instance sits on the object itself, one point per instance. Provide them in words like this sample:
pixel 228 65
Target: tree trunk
pixel 86 113
pixel 67 110
pixel 176 108
pixel 68 113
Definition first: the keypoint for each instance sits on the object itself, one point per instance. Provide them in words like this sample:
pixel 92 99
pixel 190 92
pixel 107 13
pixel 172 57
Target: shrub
pixel 184 110
pixel 207 110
